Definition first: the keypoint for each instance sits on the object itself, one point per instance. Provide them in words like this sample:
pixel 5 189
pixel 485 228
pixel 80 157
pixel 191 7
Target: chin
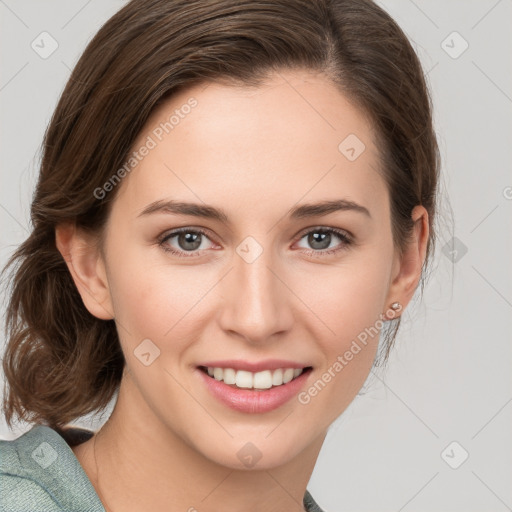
pixel 253 452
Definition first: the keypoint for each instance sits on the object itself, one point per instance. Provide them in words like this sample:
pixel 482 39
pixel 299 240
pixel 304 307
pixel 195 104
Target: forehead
pixel 296 136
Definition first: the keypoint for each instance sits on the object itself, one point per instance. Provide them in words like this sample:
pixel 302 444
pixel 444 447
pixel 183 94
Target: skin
pixel 256 153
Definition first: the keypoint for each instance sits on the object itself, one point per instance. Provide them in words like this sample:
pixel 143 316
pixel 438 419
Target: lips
pixel 259 397
pixel 253 375
pixel 264 379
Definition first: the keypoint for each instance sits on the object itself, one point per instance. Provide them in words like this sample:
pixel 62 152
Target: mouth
pixel 256 381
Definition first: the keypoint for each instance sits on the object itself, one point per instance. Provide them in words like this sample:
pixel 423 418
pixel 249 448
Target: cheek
pixel 348 305
pixel 348 335
pixel 346 299
pixel 159 302
pixel 149 301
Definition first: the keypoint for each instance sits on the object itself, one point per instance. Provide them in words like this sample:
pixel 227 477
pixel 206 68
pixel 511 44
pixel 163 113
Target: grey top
pixel 40 473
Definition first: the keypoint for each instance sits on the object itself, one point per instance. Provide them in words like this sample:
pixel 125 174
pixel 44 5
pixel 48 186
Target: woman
pixel 235 200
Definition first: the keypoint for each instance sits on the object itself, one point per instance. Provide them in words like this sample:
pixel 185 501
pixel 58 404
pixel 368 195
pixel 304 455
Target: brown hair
pixel 61 362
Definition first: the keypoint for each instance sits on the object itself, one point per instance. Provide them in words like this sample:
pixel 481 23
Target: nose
pixel 257 302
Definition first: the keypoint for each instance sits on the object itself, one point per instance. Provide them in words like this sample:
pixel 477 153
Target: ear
pixel 407 269
pixel 85 263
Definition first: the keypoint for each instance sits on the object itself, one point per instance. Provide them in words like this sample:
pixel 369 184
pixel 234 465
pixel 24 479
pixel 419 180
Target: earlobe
pixel 86 267
pixel 410 265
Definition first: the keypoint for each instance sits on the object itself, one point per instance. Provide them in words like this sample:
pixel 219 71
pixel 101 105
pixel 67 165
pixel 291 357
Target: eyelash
pixel 344 237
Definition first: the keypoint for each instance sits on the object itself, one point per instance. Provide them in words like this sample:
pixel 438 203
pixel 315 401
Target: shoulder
pixel 310 505
pixel 39 471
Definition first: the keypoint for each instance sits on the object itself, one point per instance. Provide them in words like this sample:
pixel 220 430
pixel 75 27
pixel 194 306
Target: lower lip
pixel 251 401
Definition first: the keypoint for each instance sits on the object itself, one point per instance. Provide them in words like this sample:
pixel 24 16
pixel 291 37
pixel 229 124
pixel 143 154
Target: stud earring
pixel 396 306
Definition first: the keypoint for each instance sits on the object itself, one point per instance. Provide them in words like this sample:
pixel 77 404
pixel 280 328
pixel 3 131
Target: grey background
pixel 449 376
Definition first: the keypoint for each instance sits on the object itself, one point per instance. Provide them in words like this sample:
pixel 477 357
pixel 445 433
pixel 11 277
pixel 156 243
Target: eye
pixel 189 242
pixel 320 239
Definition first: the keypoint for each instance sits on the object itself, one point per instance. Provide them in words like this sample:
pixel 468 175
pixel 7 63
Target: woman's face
pixel 261 283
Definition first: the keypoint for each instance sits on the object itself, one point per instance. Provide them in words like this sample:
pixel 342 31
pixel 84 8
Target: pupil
pixel 185 239
pixel 313 240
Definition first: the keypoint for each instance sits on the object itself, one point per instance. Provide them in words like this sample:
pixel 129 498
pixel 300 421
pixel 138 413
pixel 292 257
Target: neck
pixel 144 465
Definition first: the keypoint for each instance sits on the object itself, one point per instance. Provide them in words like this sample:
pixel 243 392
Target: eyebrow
pixel 211 212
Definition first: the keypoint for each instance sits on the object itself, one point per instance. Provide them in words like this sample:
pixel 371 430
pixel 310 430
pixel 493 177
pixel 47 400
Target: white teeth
pixel 259 380
pixel 229 376
pixel 243 379
pixel 277 377
pixel 263 380
pixel 288 375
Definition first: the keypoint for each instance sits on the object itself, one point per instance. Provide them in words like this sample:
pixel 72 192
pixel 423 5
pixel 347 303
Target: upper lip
pixel 268 364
